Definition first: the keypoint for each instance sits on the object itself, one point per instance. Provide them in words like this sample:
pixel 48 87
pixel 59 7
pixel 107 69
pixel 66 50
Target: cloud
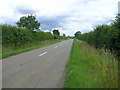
pixel 67 15
pixel 52 22
pixel 25 10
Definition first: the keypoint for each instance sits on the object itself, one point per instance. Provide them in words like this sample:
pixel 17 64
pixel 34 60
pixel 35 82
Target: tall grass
pixel 91 68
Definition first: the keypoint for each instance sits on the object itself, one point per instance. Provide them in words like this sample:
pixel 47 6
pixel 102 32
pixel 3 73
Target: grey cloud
pixel 25 10
pixel 48 23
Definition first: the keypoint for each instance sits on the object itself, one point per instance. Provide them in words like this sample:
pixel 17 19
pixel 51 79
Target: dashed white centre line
pixel 42 53
pixel 56 46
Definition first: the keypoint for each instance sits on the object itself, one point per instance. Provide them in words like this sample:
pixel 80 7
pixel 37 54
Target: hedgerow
pixel 13 35
pixel 105 36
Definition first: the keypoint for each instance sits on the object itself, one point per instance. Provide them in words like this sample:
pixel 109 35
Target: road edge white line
pixel 56 46
pixel 42 54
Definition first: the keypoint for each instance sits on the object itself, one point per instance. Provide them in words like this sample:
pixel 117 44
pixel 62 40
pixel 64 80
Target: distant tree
pixel 64 35
pixel 77 34
pixel 69 36
pixel 56 32
pixel 28 22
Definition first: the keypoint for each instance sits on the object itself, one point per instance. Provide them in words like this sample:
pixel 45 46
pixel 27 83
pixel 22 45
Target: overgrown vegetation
pixel 91 68
pixel 104 36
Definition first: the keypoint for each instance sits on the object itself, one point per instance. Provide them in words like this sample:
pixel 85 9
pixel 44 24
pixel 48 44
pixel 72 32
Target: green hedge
pixel 105 36
pixel 12 35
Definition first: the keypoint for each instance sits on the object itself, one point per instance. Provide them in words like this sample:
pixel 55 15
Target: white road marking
pixel 42 53
pixel 56 46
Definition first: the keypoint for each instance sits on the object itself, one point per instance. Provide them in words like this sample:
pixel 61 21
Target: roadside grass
pixel 12 50
pixel 91 68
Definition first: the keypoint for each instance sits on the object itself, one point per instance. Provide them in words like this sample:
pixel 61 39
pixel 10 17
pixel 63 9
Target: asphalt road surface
pixel 40 68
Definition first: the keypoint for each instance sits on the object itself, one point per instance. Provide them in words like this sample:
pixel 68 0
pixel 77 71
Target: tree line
pixel 104 36
pixel 26 31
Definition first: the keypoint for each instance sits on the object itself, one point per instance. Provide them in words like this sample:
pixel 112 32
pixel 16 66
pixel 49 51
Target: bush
pixel 12 35
pixel 105 36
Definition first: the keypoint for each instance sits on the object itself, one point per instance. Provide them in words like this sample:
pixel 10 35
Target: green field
pixel 91 68
pixel 12 50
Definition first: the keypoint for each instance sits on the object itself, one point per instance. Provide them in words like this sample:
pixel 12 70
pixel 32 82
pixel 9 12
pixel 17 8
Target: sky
pixel 68 16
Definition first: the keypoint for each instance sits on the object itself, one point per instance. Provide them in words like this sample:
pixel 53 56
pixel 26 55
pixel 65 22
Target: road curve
pixel 40 68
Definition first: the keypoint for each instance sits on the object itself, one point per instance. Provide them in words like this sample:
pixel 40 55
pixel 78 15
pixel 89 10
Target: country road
pixel 40 68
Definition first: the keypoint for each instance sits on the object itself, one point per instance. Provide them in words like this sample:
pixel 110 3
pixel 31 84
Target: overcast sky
pixel 68 16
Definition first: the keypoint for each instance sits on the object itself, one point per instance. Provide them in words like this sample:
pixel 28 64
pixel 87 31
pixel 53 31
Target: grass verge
pixel 11 50
pixel 91 68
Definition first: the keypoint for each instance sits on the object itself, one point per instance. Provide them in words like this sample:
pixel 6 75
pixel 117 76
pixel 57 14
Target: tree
pixel 56 32
pixel 64 35
pixel 77 34
pixel 28 22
